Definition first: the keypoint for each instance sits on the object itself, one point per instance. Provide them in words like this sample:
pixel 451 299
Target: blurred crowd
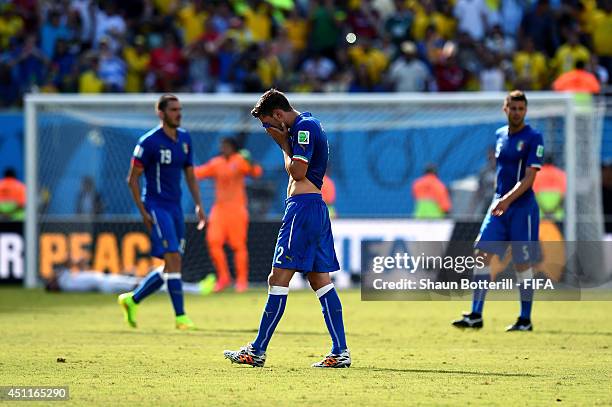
pixel 299 45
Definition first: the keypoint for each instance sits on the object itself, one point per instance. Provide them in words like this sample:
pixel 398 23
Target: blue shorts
pixel 518 226
pixel 168 232
pixel 305 242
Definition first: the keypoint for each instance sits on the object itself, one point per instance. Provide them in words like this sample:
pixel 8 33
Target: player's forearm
pixel 195 194
pixel 193 187
pixel 135 190
pixel 519 189
pixel 285 147
pixel 287 159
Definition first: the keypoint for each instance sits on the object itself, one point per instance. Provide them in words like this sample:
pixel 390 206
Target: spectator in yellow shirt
pixel 446 22
pixel 89 82
pixel 137 58
pixel 602 34
pixel 426 14
pixel 269 68
pixel 374 60
pixel 586 10
pixel 192 19
pixel 602 30
pixel 240 33
pixel 530 67
pixel 11 24
pixel 259 22
pixel 570 52
pixel 166 7
pixel 297 30
pixel 423 16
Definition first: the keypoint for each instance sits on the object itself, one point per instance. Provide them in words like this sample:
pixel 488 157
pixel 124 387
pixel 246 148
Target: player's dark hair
pixel 272 99
pixel 10 173
pixel 163 101
pixel 232 142
pixel 516 96
pixel 549 159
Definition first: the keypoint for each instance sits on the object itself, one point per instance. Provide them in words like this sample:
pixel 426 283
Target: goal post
pixel 378 142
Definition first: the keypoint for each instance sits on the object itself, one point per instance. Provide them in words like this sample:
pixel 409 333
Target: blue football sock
pixel 478 298
pixel 151 283
pixel 332 312
pixel 526 294
pixel 273 312
pixel 175 289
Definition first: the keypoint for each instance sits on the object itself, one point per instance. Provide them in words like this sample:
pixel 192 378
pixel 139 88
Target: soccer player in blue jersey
pixel 305 243
pixel 162 154
pixel 514 216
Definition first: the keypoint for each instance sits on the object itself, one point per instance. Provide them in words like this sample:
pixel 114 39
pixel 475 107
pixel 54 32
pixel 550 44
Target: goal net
pixel 379 143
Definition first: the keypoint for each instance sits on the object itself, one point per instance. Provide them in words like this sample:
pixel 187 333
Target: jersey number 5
pixel 166 156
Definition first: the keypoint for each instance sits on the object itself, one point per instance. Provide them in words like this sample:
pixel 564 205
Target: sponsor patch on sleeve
pixel 303 137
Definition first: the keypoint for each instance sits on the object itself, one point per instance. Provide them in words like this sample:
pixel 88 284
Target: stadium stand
pixel 298 45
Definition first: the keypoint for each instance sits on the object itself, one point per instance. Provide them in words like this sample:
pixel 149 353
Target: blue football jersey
pixel 309 145
pixel 163 160
pixel 514 153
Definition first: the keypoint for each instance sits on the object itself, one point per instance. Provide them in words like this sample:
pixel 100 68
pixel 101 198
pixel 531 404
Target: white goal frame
pixel 34 101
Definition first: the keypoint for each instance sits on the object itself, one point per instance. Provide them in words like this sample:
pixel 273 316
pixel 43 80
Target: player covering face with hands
pixel 305 243
pixel 162 155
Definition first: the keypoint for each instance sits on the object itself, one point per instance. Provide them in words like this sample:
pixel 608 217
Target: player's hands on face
pixel 148 221
pixel 201 217
pixel 278 134
pixel 500 207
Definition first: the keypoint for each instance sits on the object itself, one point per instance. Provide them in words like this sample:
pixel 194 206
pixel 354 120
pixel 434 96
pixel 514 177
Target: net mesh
pixel 378 147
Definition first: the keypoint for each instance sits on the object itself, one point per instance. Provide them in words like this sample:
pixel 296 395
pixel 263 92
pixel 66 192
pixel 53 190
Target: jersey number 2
pixel 279 253
pixel 166 156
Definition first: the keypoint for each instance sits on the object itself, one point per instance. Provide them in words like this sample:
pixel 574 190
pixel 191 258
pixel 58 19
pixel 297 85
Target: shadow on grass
pixel 281 333
pixel 254 331
pixel 582 333
pixel 442 371
pixel 207 332
pixel 42 302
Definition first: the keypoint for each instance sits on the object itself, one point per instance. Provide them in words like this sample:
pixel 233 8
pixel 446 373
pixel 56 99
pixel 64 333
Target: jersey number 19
pixel 166 156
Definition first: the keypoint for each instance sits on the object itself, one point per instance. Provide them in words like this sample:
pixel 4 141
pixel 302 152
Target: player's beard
pixel 173 124
pixel 517 121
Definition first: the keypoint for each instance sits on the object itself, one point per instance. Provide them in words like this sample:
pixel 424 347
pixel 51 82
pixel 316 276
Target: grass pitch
pixel 404 353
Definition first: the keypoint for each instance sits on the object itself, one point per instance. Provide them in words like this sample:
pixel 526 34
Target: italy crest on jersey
pixel 520 145
pixel 185 148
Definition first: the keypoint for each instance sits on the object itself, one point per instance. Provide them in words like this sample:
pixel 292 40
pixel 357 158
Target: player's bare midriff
pixel 301 187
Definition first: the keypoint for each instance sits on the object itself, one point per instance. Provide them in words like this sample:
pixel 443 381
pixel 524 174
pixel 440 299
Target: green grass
pixel 404 353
